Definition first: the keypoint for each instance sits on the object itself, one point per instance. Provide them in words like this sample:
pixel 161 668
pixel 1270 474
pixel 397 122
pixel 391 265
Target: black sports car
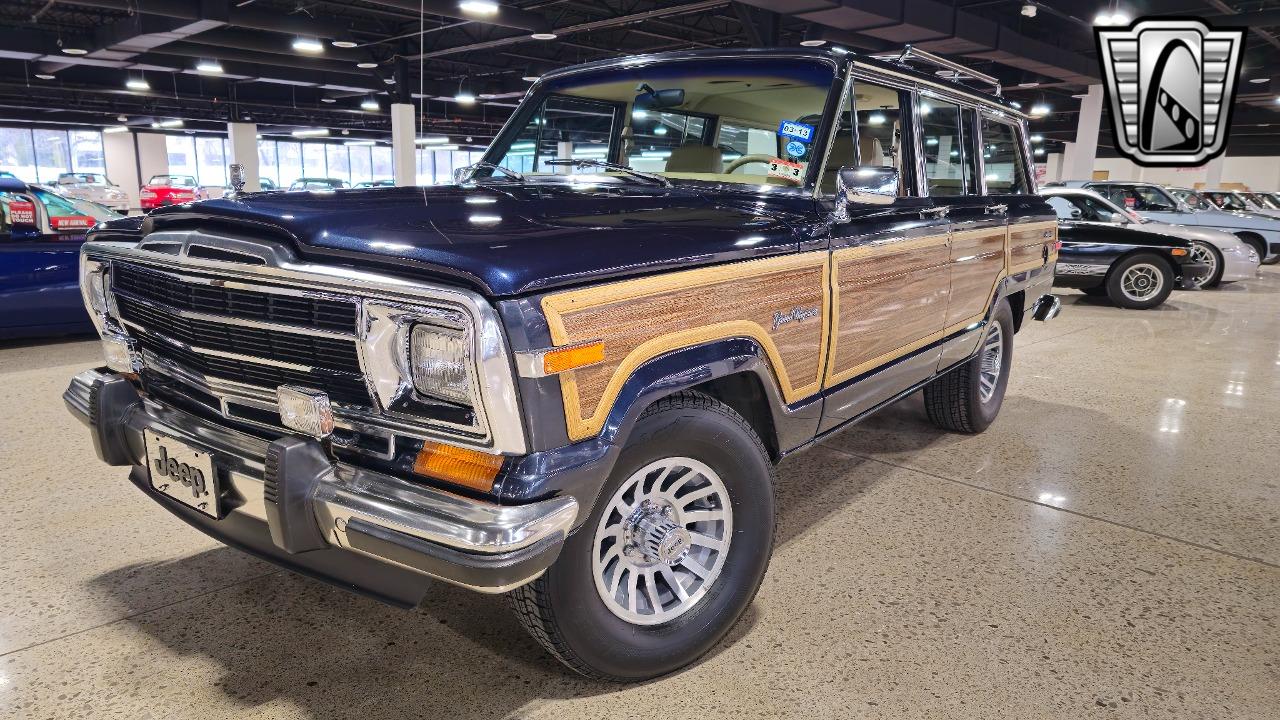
pixel 1101 255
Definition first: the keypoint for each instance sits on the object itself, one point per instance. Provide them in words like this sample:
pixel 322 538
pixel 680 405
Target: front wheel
pixel 672 554
pixel 1140 282
pixel 968 398
pixel 1203 252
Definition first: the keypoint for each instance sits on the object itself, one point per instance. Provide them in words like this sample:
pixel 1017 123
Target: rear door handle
pixel 936 212
pixel 997 209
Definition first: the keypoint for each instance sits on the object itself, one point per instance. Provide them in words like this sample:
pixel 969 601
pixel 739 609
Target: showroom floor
pixel 1112 544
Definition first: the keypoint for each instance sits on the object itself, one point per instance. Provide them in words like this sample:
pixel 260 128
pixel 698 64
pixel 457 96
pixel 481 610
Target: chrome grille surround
pixel 387 307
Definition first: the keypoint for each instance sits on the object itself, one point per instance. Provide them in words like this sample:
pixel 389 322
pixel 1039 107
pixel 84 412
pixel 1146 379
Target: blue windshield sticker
pixel 796 130
pixel 797 149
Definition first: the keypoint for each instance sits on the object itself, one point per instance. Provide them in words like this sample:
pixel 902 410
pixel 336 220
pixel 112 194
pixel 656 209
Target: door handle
pixel 936 212
pixel 997 209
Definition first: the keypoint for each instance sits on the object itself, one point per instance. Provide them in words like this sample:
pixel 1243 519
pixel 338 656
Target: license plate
pixel 182 473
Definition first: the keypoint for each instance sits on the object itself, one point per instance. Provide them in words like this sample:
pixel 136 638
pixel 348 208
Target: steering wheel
pixel 766 159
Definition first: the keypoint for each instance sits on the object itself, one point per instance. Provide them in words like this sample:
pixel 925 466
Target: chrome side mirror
pixel 864 185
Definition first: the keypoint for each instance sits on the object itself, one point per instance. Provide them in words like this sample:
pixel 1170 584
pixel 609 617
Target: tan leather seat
pixel 695 159
pixel 871 153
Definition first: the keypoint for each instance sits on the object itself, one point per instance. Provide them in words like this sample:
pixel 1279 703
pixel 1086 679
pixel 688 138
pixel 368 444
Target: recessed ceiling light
pixel 75 51
pixel 1256 81
pixel 328 100
pixel 370 104
pixel 307 45
pixel 367 65
pixel 137 84
pixel 209 66
pixel 45 76
pixel 479 7
pixel 344 43
pixel 544 36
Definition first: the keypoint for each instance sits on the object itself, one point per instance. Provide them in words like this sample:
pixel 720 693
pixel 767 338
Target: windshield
pixel 1083 207
pixel 1226 200
pixel 1193 199
pixel 172 180
pixel 1139 198
pixel 82 178
pixel 737 121
pixel 59 206
pixel 1263 201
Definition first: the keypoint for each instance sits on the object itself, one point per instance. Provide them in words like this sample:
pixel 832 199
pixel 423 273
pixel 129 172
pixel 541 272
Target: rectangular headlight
pixel 440 360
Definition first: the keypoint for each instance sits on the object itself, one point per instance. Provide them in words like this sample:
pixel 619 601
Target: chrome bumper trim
pixel 345 493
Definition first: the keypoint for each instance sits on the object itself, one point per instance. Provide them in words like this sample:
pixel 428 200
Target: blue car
pixel 40 237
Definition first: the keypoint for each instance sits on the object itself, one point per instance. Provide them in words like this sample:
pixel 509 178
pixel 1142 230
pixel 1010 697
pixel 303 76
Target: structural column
pixel 243 139
pixel 1080 155
pixel 403 153
pixel 1213 172
pixel 120 160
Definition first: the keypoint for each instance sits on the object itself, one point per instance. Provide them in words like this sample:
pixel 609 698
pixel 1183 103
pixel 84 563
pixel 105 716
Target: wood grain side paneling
pixel 977 264
pixel 1027 242
pixel 641 319
pixel 890 299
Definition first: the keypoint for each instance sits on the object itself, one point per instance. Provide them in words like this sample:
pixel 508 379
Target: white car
pixel 94 187
pixel 1185 207
pixel 1229 258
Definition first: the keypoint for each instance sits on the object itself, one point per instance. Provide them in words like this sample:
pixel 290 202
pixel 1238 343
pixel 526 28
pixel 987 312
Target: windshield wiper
pixel 483 165
pixel 606 165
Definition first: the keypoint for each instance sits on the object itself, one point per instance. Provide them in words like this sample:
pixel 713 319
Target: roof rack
pixel 910 52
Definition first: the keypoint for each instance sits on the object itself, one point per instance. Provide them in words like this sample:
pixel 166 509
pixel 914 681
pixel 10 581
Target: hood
pixel 1222 240
pixel 506 238
pixel 1085 231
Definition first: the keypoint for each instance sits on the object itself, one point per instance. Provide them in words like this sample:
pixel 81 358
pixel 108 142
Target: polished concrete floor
pixel 1111 545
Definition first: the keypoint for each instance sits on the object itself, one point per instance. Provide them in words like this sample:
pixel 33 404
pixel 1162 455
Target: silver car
pixel 1229 258
pixel 94 187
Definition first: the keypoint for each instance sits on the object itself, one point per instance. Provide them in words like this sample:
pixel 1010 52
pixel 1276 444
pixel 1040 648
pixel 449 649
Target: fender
pixel 580 469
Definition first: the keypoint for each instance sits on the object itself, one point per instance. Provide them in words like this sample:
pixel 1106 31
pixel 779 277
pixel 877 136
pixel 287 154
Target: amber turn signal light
pixel 572 356
pixel 1178 251
pixel 469 468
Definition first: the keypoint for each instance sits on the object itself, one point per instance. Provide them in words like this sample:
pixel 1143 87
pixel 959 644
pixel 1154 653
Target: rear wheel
pixel 672 554
pixel 1140 282
pixel 1203 252
pixel 968 398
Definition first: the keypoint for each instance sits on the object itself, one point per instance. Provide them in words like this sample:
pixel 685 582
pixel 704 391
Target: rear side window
pixel 1006 171
pixel 944 161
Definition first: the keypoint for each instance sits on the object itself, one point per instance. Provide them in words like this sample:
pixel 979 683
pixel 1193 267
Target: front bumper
pixel 1241 265
pixel 1188 272
pixel 286 502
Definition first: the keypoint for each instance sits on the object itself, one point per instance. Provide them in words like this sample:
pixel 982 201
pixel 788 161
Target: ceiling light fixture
pixel 1040 110
pixel 1026 85
pixel 137 84
pixel 465 95
pixel 311 132
pixel 544 36
pixel 1037 138
pixel 75 51
pixel 1115 18
pixel 432 140
pixel 122 118
pixel 328 100
pixel 45 76
pixel 1255 81
pixel 115 129
pixel 360 143
pixel 366 65
pixel 167 124
pixel 813 36
pixel 479 7
pixel 307 45
pixel 370 104
pixel 1029 10
pixel 345 44
pixel 209 66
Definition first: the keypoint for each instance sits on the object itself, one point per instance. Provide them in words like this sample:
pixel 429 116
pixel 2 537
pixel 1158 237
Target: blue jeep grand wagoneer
pixel 568 376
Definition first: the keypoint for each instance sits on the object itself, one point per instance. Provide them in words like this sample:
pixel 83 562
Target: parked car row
pixel 1135 242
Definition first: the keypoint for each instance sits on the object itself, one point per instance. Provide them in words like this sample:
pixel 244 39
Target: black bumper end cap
pixel 294 468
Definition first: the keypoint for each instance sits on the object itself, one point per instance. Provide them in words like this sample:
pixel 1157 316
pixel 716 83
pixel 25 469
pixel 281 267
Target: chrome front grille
pixel 256 338
pixel 318 313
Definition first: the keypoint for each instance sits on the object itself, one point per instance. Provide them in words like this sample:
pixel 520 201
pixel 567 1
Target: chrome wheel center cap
pixel 655 537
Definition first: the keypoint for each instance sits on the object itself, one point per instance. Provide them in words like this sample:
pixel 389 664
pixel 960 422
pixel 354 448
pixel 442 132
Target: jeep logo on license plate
pixel 189 476
pixel 182 472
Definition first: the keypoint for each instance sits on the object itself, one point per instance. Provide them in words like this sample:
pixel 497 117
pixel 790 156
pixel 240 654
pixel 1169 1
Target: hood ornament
pixel 237 177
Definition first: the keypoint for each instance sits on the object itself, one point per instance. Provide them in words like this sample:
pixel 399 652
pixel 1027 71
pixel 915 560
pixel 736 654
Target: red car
pixel 169 190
